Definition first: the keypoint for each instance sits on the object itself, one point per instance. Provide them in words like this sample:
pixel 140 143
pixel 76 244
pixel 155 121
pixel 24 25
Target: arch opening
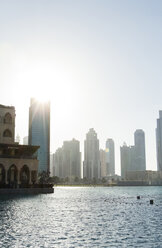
pixel 2 174
pixel 25 175
pixel 7 133
pixel 12 176
pixel 8 118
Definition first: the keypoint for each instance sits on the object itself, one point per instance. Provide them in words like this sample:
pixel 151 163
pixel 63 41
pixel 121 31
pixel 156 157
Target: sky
pixel 97 61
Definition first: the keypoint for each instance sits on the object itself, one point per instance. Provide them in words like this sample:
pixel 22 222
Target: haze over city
pixel 98 62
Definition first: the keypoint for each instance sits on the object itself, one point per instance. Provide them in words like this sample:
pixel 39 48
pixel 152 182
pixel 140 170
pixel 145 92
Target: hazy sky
pixel 99 62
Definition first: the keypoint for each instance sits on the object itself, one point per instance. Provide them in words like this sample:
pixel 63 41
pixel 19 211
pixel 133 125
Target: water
pixel 83 217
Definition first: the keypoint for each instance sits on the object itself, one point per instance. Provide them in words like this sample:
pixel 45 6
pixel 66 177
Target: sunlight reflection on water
pixel 83 217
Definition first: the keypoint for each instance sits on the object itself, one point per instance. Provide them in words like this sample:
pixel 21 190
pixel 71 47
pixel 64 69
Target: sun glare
pixel 41 96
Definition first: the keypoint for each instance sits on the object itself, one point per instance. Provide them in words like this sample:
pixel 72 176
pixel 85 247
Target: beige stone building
pixel 18 163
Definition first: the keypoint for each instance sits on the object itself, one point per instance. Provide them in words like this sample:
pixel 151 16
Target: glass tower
pixel 39 131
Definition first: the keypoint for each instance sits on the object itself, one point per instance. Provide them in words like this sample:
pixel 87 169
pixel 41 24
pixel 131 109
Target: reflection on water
pixel 83 217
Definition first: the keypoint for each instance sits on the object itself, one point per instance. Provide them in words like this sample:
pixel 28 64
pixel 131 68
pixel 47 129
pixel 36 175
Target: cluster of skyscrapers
pixel 98 163
pixel 67 160
pixel 133 157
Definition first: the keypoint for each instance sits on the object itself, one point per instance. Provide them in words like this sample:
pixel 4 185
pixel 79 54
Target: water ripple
pixel 83 217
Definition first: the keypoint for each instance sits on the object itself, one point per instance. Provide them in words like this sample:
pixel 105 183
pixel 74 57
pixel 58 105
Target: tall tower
pixel 125 156
pixel 159 141
pixel 72 159
pixel 140 160
pixel 91 156
pixel 103 163
pixel 39 131
pixel 110 157
pixel 67 160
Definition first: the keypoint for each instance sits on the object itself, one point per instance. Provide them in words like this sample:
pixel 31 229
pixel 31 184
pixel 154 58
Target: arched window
pixel 8 118
pixel 7 133
pixel 24 175
pixel 12 174
pixel 2 174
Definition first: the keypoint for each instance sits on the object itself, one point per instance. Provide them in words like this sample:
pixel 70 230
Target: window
pixel 7 133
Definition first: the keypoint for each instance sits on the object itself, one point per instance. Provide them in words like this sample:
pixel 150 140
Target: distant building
pixel 125 156
pixel 25 140
pixel 39 132
pixel 58 163
pixel 67 160
pixel 140 158
pixel 159 141
pixel 150 177
pixel 52 173
pixel 91 166
pixel 18 163
pixel 103 163
pixel 133 157
pixel 17 138
pixel 110 158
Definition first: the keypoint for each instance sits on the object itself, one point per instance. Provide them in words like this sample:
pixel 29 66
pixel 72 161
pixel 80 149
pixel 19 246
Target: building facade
pixel 103 163
pixel 58 163
pixel 7 124
pixel 91 165
pixel 125 158
pixel 67 160
pixel 110 157
pixel 148 176
pixel 39 132
pixel 140 157
pixel 133 157
pixel 25 140
pixel 18 163
pixel 159 141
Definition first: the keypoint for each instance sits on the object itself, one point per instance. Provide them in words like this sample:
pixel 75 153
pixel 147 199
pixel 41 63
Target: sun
pixel 41 96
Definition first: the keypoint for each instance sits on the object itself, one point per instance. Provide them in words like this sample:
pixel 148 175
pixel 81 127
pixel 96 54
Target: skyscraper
pixel 25 140
pixel 139 141
pixel 110 157
pixel 91 167
pixel 39 131
pixel 133 157
pixel 58 163
pixel 67 160
pixel 103 163
pixel 125 156
pixel 159 141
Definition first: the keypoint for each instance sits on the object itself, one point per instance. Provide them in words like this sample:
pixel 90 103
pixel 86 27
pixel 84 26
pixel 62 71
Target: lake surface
pixel 83 217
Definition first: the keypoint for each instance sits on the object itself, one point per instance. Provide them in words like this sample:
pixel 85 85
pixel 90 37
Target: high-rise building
pixel 67 160
pixel 110 157
pixel 91 166
pixel 140 159
pixel 133 157
pixel 17 138
pixel 39 131
pixel 103 163
pixel 58 163
pixel 159 141
pixel 25 140
pixel 52 173
pixel 125 156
